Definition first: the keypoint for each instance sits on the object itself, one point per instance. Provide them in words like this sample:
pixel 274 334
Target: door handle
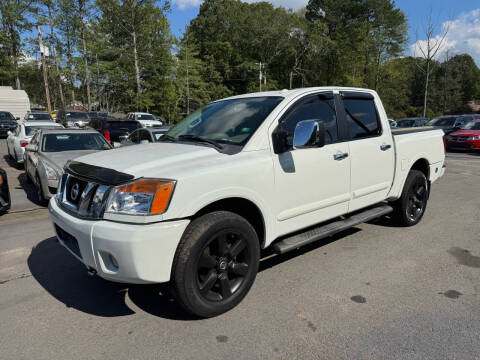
pixel 385 147
pixel 340 156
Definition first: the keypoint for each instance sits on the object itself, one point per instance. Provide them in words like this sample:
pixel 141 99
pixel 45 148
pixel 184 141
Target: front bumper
pixel 120 252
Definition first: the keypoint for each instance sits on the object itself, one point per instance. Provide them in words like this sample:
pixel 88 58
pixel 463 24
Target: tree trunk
pixel 87 74
pixel 15 64
pixel 60 88
pixel 427 78
pixel 135 59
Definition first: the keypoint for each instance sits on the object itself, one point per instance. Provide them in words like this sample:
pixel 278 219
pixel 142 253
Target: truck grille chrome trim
pixel 81 198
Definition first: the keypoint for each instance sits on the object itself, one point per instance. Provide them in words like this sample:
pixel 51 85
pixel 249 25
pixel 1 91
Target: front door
pixel 312 185
pixel 371 146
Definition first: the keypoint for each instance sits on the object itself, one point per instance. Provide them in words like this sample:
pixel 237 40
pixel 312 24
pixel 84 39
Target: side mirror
pixel 17 118
pixel 309 134
pixel 31 148
pixel 9 133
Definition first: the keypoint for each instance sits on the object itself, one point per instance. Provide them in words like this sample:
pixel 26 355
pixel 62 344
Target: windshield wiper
pixel 200 139
pixel 168 137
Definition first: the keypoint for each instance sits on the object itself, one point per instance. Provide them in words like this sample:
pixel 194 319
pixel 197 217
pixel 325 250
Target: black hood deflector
pixel 97 174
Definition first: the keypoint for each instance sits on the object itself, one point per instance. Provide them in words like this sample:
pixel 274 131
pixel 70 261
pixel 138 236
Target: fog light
pixel 113 261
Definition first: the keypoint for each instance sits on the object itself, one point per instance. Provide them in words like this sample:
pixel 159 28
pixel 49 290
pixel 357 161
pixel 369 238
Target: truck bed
pixel 403 131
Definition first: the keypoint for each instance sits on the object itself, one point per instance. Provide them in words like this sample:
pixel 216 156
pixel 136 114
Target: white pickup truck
pixel 275 169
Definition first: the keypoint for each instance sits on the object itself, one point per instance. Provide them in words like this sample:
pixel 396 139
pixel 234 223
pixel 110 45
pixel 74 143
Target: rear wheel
pixel 410 208
pixel 216 263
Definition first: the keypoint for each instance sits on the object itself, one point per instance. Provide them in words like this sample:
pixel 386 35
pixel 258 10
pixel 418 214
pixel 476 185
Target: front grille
pixel 69 240
pixel 74 189
pixel 458 138
pixel 82 198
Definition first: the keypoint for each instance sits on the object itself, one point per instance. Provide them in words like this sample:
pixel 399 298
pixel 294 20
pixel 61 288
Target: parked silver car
pixel 49 151
pixel 21 136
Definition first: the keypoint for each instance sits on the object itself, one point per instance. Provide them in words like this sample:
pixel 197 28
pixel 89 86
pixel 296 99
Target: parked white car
pixel 277 169
pixel 146 119
pixel 21 136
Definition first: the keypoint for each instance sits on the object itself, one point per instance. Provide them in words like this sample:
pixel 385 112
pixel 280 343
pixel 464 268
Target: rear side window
pixel 317 107
pixel 362 118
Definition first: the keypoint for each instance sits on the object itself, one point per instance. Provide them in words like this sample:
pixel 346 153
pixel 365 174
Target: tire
pixel 410 208
pixel 41 198
pixel 216 263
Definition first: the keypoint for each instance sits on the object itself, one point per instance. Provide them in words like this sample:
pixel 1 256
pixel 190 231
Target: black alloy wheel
pixel 417 199
pixel 223 265
pixel 409 209
pixel 215 264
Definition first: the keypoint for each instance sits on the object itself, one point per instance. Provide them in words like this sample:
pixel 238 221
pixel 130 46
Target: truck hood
pixel 155 160
pixel 59 159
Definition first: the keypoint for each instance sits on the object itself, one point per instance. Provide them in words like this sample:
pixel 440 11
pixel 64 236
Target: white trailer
pixel 14 101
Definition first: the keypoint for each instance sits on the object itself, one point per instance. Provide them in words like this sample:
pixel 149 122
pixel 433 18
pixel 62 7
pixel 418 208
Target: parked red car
pixel 467 138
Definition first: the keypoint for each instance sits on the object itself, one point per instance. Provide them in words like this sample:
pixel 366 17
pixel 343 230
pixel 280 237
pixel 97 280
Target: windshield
pixel 472 125
pixel 228 121
pixel 77 115
pixel 128 126
pixel 31 130
pixel 446 121
pixel 145 117
pixel 4 116
pixel 72 142
pixel 39 116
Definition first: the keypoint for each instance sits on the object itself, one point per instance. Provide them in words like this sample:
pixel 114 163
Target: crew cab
pixel 276 169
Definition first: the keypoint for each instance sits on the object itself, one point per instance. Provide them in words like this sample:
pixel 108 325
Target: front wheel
pixel 216 263
pixel 410 208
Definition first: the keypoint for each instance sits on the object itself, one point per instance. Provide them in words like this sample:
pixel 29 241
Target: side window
pixel 362 118
pixel 316 107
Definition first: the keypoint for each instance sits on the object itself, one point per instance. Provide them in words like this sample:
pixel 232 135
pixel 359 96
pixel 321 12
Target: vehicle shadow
pixel 10 162
pixel 66 279
pixel 30 189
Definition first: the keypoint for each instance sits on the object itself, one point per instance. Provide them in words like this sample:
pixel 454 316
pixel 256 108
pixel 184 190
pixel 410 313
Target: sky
pixel 460 17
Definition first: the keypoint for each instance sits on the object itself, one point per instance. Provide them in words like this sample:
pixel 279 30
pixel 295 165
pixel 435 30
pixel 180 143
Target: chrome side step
pixel 323 231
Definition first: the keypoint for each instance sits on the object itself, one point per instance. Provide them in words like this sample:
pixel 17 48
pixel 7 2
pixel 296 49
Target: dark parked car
pixel 4 192
pixel 7 123
pixel 38 115
pixel 94 114
pixel 450 123
pixel 114 130
pixel 145 135
pixel 72 118
pixel 412 122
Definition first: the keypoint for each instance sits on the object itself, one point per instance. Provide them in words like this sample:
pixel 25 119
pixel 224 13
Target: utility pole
pixel 260 75
pixel 44 66
pixel 188 83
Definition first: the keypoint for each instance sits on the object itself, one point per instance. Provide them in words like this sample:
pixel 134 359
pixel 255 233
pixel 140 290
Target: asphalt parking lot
pixel 373 292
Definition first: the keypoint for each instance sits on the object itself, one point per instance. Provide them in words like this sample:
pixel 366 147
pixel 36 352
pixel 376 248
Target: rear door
pixel 371 150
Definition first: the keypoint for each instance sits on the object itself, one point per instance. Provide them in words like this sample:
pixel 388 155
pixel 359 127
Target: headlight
pixel 51 173
pixel 449 137
pixel 141 197
pixel 474 138
pixel 70 123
